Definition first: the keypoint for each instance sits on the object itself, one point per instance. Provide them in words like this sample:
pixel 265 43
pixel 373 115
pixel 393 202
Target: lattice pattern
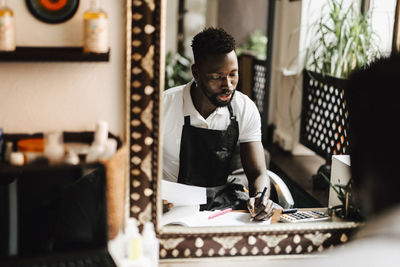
pixel 324 125
pixel 259 81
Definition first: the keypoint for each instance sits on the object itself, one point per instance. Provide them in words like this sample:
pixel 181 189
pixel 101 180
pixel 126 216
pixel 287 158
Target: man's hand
pixel 166 206
pixel 264 211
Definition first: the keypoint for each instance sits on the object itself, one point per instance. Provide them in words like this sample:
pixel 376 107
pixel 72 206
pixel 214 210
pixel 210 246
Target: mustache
pixel 227 91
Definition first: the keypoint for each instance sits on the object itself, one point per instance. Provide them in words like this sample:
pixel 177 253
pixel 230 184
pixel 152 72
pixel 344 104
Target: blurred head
pixel 374 112
pixel 215 67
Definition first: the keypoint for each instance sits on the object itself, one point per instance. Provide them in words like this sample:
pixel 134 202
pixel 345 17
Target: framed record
pixel 52 11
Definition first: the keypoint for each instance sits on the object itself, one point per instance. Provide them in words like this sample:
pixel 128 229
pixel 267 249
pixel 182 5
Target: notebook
pixel 60 217
pixel 191 216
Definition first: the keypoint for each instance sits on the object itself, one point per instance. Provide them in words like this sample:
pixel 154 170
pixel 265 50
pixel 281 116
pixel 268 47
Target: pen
pixel 222 212
pixel 260 200
pixel 289 211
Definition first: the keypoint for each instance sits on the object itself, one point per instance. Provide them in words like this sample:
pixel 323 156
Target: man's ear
pixel 195 72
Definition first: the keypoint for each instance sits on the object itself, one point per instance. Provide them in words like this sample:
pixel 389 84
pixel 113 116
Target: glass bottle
pixel 95 30
pixel 7 32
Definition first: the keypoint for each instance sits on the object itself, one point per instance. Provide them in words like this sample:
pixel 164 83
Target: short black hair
pixel 212 41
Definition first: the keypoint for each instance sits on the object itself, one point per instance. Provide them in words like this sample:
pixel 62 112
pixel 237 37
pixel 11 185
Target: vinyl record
pixel 52 11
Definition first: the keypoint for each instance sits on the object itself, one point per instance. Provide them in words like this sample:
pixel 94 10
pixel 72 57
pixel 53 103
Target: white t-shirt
pixel 177 103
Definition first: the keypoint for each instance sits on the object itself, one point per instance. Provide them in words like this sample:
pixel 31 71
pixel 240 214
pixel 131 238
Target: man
pixel 206 118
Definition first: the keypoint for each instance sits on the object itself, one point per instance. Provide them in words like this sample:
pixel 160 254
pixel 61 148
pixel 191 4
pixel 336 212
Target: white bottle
pixel 133 241
pixel 110 147
pixel 95 39
pixel 101 133
pixel 17 158
pixel 98 146
pixel 7 28
pixel 54 147
pixel 151 245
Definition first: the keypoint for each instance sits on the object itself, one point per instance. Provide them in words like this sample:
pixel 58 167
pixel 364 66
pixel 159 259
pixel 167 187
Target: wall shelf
pixel 52 54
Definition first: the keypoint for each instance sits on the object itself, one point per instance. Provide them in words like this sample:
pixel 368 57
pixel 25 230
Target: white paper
pixel 192 217
pixel 183 195
pixel 178 215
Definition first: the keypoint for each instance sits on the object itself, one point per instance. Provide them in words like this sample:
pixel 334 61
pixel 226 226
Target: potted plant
pixel 348 209
pixel 256 45
pixel 342 40
pixel 177 70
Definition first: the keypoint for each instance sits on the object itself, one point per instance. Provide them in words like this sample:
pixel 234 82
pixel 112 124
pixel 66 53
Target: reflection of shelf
pixel 52 54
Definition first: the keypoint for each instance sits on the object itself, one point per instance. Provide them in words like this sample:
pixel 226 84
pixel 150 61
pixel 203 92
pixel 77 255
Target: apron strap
pixel 187 120
pixel 233 117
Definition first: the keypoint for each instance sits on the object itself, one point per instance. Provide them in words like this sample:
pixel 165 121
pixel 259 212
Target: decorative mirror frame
pixel 145 79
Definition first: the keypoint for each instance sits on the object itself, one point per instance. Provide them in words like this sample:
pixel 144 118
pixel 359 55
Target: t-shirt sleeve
pixel 250 126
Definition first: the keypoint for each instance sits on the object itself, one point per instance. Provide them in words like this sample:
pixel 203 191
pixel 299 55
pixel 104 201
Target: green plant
pixel 344 194
pixel 177 70
pixel 256 44
pixel 343 40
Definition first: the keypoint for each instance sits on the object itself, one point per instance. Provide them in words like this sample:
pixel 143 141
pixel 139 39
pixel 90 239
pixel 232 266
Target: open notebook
pixel 191 216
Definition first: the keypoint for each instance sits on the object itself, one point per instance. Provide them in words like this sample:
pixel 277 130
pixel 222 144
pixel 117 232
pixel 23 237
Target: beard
pixel 221 103
pixel 216 100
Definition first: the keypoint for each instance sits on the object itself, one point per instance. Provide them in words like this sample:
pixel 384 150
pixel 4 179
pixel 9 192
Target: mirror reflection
pixel 211 123
pixel 218 112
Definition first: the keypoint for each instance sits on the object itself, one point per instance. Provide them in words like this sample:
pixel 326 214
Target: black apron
pixel 205 155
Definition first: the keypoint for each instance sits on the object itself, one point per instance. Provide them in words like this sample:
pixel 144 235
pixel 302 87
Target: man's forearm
pixel 258 184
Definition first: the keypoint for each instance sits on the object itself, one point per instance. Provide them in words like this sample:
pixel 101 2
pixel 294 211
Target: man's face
pixel 217 77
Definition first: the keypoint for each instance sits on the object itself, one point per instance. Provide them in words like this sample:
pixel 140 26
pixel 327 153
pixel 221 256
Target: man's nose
pixel 227 83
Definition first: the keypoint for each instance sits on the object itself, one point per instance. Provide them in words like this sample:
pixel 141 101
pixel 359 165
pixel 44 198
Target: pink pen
pixel 222 212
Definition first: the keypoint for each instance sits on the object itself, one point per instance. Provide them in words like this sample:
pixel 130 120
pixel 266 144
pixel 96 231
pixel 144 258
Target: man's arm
pixel 253 161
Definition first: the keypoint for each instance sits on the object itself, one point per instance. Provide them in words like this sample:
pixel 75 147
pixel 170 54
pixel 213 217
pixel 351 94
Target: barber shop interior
pixel 145 133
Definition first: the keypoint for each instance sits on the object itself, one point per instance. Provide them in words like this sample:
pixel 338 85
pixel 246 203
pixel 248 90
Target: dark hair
pixel 212 41
pixel 374 132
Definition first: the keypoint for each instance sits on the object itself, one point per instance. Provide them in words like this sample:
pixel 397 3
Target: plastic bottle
pixel 101 133
pixel 133 241
pixel 71 158
pixel 95 29
pixel 7 28
pixel 110 147
pixel 54 147
pixel 17 158
pixel 151 245
pixel 98 146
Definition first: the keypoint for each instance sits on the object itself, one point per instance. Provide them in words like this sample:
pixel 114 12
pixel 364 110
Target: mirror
pixel 145 68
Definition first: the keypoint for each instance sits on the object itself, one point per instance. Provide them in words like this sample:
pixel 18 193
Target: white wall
pixel 171 26
pixel 285 93
pixel 383 21
pixel 64 96
pixel 200 14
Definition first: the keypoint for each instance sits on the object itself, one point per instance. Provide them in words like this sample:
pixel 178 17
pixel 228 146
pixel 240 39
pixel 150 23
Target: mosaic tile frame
pixel 145 78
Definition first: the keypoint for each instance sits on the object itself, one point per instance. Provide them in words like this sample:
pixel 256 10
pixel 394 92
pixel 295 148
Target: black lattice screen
pixel 324 124
pixel 259 80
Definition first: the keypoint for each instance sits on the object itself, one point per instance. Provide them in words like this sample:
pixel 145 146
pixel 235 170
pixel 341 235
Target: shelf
pixel 52 54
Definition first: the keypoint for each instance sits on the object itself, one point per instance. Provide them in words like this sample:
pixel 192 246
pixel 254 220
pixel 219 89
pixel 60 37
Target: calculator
pixel 304 216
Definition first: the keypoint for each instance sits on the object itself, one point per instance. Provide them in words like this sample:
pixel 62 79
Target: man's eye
pixel 215 77
pixel 233 74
